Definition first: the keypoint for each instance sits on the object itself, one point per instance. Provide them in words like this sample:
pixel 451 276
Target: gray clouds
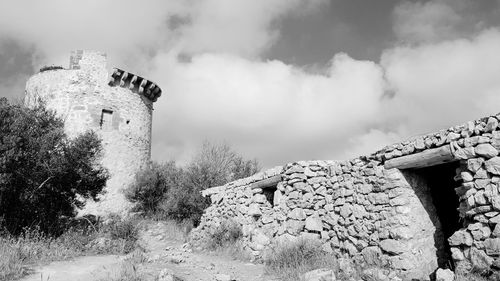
pixel 208 56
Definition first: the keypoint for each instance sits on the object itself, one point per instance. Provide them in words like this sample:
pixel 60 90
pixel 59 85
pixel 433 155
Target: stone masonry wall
pixel 371 214
pixel 121 117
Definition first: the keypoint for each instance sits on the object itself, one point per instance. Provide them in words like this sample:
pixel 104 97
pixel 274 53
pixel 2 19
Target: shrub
pixel 291 260
pixel 227 233
pixel 175 193
pixel 151 184
pixel 123 234
pixel 129 271
pixel 43 174
pixel 32 247
pixel 50 67
pixel 476 275
pixel 183 203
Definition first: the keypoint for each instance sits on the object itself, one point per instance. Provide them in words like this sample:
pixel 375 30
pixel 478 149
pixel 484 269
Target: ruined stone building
pixel 117 106
pixel 429 202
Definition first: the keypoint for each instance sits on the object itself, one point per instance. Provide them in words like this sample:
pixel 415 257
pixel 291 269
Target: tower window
pixel 106 120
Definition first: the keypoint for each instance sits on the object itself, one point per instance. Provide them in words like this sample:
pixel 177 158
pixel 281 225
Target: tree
pixel 151 184
pixel 213 165
pixel 44 176
pixel 216 164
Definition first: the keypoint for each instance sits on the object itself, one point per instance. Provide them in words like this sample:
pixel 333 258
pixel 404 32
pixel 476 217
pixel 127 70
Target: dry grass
pixel 289 261
pixel 477 275
pixel 129 271
pixel 234 250
pixel 19 254
pixel 226 241
pixel 178 230
pixel 227 233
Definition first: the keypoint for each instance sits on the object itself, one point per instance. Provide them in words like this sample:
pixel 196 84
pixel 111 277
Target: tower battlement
pixel 83 59
pixel 135 83
pixel 96 62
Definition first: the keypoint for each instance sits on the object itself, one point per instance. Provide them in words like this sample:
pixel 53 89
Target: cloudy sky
pixel 279 80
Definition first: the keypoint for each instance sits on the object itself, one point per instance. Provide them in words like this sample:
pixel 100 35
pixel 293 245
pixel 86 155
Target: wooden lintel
pixel 426 158
pixel 272 181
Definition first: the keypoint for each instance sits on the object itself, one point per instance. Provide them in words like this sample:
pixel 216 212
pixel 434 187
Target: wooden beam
pixel 426 158
pixel 272 181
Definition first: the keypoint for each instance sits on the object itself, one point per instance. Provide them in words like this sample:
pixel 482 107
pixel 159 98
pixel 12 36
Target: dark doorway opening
pixel 269 193
pixel 438 196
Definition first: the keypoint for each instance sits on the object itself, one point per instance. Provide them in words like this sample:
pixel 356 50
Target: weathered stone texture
pixel 121 117
pixel 375 215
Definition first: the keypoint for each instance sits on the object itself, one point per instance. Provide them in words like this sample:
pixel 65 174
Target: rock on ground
pixel 322 274
pixel 223 277
pixel 166 275
pixel 444 275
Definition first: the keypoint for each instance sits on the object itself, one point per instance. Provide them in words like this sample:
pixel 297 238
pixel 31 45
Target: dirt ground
pixel 161 252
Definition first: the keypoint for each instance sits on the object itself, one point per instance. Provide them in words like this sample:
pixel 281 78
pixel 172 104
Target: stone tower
pixel 117 106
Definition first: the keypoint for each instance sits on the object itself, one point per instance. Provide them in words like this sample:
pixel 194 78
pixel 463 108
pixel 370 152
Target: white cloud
pixel 441 84
pixel 269 107
pixel 134 31
pixel 122 27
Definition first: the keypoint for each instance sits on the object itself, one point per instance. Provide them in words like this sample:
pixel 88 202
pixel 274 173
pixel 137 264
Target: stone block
pixel 297 214
pixel 465 153
pixel 480 259
pixel 223 277
pixel 486 150
pixel 466 176
pixel 294 227
pixel 260 238
pixel 481 183
pixel 378 198
pixel 259 198
pixel 445 275
pixel 310 236
pixel 278 197
pixel 296 169
pixel 493 165
pixel 461 237
pixel 496 230
pixel 371 255
pixel 267 218
pixel 474 164
pixel 314 224
pixel 254 210
pixel 346 210
pixel 492 246
pixel 166 275
pixel 456 254
pixel 491 125
pixel 392 246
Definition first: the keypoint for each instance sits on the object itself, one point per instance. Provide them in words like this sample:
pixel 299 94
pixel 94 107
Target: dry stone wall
pixel 378 209
pixel 88 98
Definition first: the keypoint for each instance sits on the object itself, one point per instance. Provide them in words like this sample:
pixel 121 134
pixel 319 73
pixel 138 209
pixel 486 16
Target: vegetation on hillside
pixel 32 247
pixel 44 178
pixel 290 260
pixel 44 175
pixel 173 192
